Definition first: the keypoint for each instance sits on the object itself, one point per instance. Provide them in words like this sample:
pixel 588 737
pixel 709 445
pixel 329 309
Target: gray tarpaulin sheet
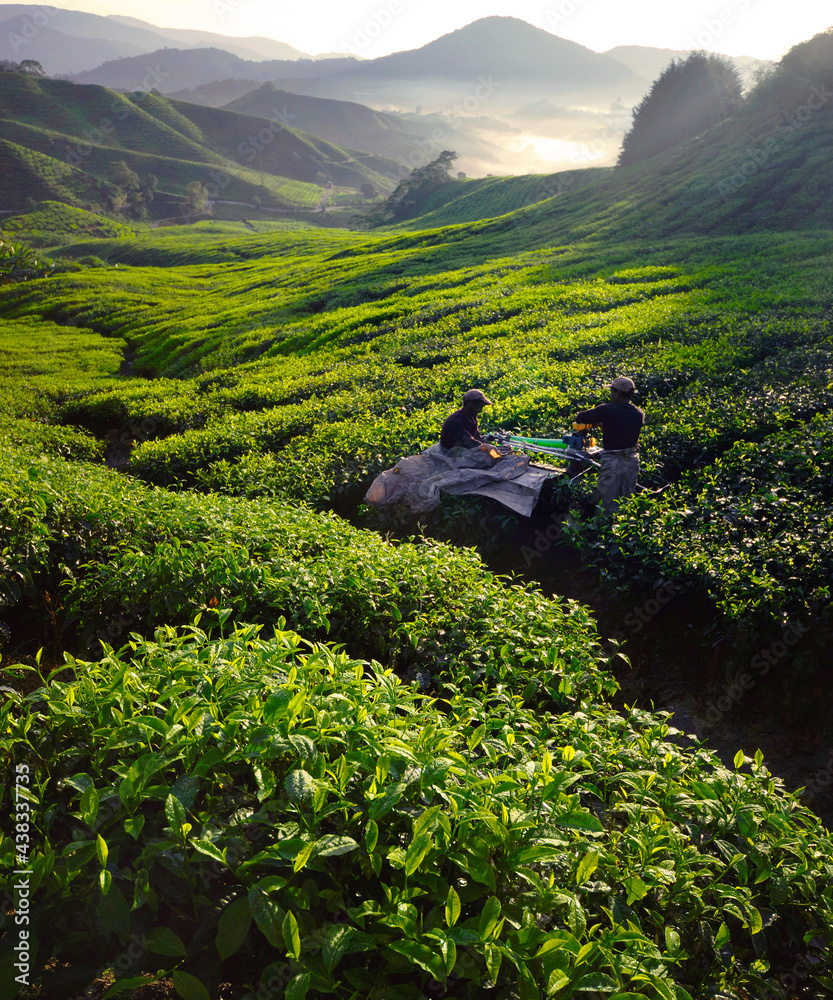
pixel 416 482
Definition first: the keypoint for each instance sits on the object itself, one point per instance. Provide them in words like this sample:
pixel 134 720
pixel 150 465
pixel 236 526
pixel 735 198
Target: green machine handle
pixel 540 442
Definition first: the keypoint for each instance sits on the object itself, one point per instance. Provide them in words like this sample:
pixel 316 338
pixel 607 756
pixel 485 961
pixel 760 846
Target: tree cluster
pixel 413 191
pixel 687 98
pixel 29 66
pixel 125 191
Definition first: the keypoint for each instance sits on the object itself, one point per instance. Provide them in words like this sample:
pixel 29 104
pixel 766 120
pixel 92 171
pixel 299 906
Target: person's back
pixel 621 422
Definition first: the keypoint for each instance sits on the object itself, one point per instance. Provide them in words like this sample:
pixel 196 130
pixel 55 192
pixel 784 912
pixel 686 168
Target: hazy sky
pixel 762 28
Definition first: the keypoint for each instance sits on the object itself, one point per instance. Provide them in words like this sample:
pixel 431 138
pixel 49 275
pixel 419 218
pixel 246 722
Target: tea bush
pixel 277 815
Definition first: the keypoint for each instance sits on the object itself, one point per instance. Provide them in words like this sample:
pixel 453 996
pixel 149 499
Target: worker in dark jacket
pixel 461 428
pixel 621 423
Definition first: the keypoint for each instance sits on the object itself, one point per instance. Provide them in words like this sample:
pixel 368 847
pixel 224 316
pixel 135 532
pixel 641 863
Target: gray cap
pixel 623 384
pixel 477 396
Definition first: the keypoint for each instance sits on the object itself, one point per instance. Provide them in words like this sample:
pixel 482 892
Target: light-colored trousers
pixel 617 476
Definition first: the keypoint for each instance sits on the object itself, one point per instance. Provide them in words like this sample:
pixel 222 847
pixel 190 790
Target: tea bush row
pixel 113 555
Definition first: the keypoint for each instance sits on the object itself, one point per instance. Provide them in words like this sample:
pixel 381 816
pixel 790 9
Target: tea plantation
pixel 262 742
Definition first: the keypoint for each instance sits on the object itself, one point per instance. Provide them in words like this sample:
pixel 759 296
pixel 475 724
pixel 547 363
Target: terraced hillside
pixel 61 139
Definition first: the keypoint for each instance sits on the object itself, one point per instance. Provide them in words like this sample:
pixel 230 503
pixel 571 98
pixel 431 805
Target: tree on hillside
pixel 413 191
pixel 128 193
pixel 123 176
pixel 196 196
pixel 32 67
pixel 148 188
pixel 687 98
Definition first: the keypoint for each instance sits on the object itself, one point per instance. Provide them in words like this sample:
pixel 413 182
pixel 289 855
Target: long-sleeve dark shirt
pixel 460 429
pixel 621 424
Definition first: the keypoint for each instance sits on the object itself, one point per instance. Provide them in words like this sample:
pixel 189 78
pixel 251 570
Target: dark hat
pixel 477 396
pixel 623 384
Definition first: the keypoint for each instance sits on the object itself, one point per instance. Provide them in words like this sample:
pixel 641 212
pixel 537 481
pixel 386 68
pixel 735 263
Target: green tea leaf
pixel 558 979
pixel 588 864
pixel 382 804
pixel 188 986
pixel 597 982
pixel 185 789
pixel 175 812
pixel 233 926
pixel 133 826
pixel 163 941
pixel 303 856
pixel 268 916
pixel 449 952
pixel 296 703
pixel 297 987
pixel 336 942
pixel 421 955
pixel 453 907
pixel 581 820
pixel 489 917
pixel 299 785
pixel 291 936
pixel 89 805
pixel 636 888
pixel 423 838
pixel 478 867
pixel 331 846
pixel 209 849
pixel 576 920
pixel 493 959
pixel 101 850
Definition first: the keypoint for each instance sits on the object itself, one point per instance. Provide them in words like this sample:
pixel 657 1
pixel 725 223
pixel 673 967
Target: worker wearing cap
pixel 621 423
pixel 461 429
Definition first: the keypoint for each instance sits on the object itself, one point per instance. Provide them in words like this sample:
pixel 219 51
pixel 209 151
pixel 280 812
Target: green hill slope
pixel 238 157
pixel 272 145
pixel 53 222
pixel 487 197
pixel 29 174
